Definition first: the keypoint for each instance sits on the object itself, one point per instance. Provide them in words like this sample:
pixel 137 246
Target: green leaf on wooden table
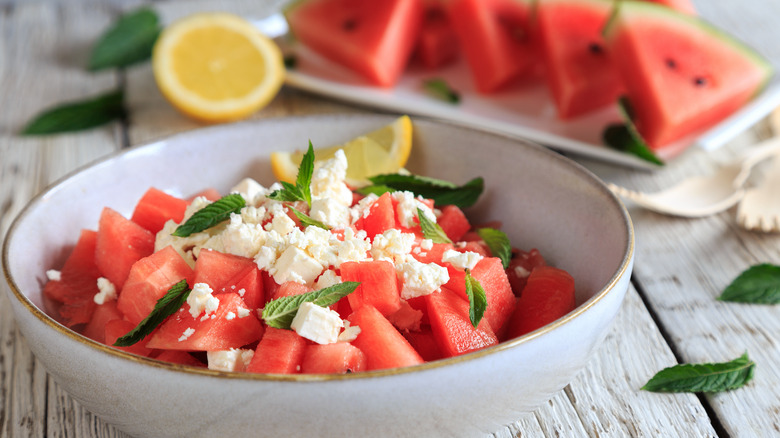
pixel 431 230
pixel 77 116
pixel 439 88
pixel 442 192
pixel 210 215
pixel 280 312
pixel 625 138
pixel 759 284
pixel 477 299
pixel 130 40
pixel 499 244
pixel 166 306
pixel 704 377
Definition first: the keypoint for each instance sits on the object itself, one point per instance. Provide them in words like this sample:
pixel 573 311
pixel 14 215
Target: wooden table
pixel 670 314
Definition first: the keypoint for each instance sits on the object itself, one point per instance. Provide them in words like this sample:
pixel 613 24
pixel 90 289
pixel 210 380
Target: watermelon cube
pixel 451 326
pixel 338 358
pixel 548 295
pixel 378 286
pixel 380 217
pixel 117 328
pixel 96 327
pixel 156 207
pixel 278 352
pixel 382 344
pixel 230 273
pixel 453 222
pixel 120 243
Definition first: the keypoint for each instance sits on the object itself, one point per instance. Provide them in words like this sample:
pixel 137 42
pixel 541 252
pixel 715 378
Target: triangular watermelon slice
pixel 682 75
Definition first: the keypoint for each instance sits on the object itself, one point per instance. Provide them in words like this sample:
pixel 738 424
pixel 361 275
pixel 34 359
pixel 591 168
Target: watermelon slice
pixel 580 71
pixel 682 75
pixel 437 44
pixel 374 38
pixel 685 6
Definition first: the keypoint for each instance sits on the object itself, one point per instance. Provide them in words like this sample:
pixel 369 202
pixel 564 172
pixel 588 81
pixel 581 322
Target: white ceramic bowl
pixel 544 200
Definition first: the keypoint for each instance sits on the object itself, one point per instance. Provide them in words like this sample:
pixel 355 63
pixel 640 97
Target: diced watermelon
pixel 682 75
pixel 96 327
pixel 224 330
pixel 278 352
pixel 548 295
pixel 116 328
pixel 338 358
pixel 374 38
pixel 120 243
pixel 451 326
pixel 378 287
pixel 180 357
pixel 149 279
pixel 437 44
pixel 425 343
pixel 73 295
pixel 453 222
pixel 230 273
pixel 406 318
pixel 477 246
pixel 434 254
pixel 382 344
pixel 520 267
pixel 290 288
pixel 496 38
pixel 381 217
pixel 156 207
pixel 580 71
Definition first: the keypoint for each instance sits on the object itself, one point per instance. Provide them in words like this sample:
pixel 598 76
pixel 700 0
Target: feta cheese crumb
pixel 243 312
pixel 295 265
pixel 407 208
pixel 521 271
pixel 426 244
pixel 317 324
pixel 187 333
pixel 330 212
pixel 107 291
pixel 249 189
pixel 350 332
pixel 392 245
pixel 235 359
pixel 327 279
pixel 328 180
pixel 230 315
pixel 463 260
pixel 54 275
pixel 420 278
pixel 201 300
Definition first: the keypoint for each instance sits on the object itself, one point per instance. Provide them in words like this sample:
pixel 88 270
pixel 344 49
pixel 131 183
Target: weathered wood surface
pixel 681 264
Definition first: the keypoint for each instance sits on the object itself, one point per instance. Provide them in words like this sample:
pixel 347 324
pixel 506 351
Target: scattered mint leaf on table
pixel 499 244
pixel 431 230
pixel 624 136
pixel 306 219
pixel 78 115
pixel 210 215
pixel 759 284
pixel 442 192
pixel 704 377
pixel 477 299
pixel 280 312
pixel 301 191
pixel 130 40
pixel 166 306
pixel 439 88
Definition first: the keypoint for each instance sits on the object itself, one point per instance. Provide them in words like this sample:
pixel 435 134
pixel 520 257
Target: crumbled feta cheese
pixel 230 315
pixel 187 333
pixel 426 244
pixel 363 207
pixel 330 212
pixel 328 180
pixel 249 189
pixel 354 248
pixel 197 204
pixel 201 300
pixel 350 332
pixel 420 278
pixel 282 224
pixel 392 245
pixel 521 272
pixel 463 260
pixel 107 291
pixel 407 208
pixel 185 246
pixel 317 324
pixel 295 265
pixel 241 239
pixel 243 312
pixel 54 275
pixel 327 279
pixel 235 359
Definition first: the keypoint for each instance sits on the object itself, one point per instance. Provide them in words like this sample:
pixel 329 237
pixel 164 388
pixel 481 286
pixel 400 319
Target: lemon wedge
pixel 217 67
pixel 385 150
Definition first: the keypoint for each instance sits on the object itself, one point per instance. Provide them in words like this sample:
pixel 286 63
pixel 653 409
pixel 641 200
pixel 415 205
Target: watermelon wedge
pixel 681 74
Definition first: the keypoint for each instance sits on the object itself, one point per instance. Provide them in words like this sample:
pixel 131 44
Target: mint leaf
pixel 280 312
pixel 288 193
pixel 130 40
pixel 439 88
pixel 442 192
pixel 301 191
pixel 705 377
pixel 378 190
pixel 625 138
pixel 306 220
pixel 77 116
pixel 431 230
pixel 210 215
pixel 759 284
pixel 499 244
pixel 166 306
pixel 477 299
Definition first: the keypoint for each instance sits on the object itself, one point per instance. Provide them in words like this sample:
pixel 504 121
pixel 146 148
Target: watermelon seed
pixel 700 81
pixel 515 30
pixel 671 63
pixel 595 48
pixel 350 24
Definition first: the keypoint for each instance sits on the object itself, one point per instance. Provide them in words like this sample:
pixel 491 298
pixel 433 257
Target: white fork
pixel 760 207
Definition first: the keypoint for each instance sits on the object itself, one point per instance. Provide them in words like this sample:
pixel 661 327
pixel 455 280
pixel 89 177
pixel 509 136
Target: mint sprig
pixel 477 299
pixel 499 244
pixel 130 40
pixel 78 115
pixel 624 137
pixel 211 215
pixel 166 306
pixel 439 88
pixel 705 377
pixel 759 284
pixel 442 192
pixel 307 220
pixel 431 230
pixel 280 312
pixel 301 191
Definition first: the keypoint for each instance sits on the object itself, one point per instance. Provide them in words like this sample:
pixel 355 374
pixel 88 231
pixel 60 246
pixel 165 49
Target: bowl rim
pixel 426 366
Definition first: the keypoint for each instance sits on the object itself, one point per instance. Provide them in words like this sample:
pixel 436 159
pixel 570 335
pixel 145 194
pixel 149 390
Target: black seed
pixel 671 63
pixel 350 24
pixel 595 48
pixel 699 81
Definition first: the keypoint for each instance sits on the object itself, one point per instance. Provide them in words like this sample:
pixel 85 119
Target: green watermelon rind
pixel 641 10
pixel 637 145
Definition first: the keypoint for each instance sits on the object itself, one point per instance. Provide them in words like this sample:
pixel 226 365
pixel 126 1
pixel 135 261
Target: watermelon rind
pixel 626 138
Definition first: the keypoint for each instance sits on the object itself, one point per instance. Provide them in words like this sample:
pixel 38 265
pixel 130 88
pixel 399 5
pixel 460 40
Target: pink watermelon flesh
pixel 278 352
pixel 157 207
pixel 382 344
pixel 338 358
pixel 684 6
pixel 681 74
pixel 580 71
pixel 120 243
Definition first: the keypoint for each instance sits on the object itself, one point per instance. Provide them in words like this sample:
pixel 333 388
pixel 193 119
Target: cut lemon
pixel 217 67
pixel 385 150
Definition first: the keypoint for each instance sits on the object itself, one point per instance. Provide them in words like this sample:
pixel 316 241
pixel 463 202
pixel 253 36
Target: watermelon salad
pixel 311 277
pixel 679 74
